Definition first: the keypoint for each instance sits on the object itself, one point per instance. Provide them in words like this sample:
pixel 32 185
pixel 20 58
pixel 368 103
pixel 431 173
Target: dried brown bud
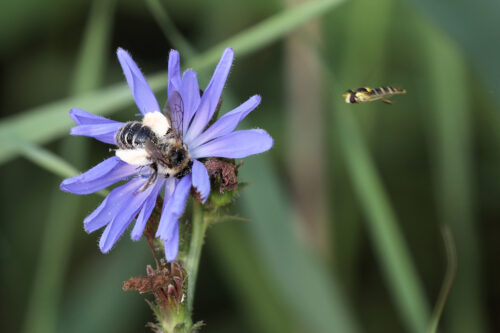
pixel 167 285
pixel 146 284
pixel 225 171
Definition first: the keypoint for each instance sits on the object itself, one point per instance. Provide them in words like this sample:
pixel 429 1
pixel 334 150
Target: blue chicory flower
pixel 127 202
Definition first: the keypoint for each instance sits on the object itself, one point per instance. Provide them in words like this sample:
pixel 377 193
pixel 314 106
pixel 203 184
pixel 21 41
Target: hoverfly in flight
pixel 365 94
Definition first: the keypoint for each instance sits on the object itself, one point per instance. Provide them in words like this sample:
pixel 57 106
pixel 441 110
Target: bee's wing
pixel 175 113
pixel 153 151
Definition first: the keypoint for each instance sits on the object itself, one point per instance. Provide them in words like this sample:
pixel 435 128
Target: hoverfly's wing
pixel 176 113
pixel 154 152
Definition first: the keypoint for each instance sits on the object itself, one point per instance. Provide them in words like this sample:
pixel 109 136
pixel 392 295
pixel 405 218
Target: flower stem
pixel 193 259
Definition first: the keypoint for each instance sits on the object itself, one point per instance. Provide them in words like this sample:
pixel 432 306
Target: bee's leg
pixel 151 178
pixel 387 101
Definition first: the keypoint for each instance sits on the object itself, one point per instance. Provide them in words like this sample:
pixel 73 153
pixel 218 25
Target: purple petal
pixel 102 132
pixel 101 128
pixel 174 208
pixel 227 123
pixel 211 96
pixel 172 245
pixel 170 186
pixel 82 117
pixel 146 210
pixel 143 96
pixel 174 72
pixel 201 181
pixel 101 176
pixel 111 205
pixel 238 144
pixel 102 214
pixel 190 93
pixel 124 216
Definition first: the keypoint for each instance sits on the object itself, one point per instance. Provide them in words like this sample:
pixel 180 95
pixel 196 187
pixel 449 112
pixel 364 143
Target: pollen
pixel 157 122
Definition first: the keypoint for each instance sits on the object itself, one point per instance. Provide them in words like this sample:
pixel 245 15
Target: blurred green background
pixel 346 209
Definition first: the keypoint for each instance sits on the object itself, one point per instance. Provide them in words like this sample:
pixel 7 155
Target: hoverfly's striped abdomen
pixel 388 90
pixel 134 135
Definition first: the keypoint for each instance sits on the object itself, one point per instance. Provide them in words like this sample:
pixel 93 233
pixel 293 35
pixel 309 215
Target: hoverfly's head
pixel 350 97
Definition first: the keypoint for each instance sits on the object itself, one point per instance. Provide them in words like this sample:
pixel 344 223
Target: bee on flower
pixel 163 152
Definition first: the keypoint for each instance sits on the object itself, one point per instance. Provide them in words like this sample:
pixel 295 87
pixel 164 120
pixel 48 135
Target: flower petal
pixel 100 176
pixel 211 96
pixel 172 246
pixel 190 92
pixel 102 132
pixel 174 72
pixel 201 181
pixel 111 205
pixel 124 216
pixel 143 95
pixel 227 123
pixel 238 144
pixel 146 210
pixel 170 185
pixel 173 210
pixel 101 128
pixel 82 117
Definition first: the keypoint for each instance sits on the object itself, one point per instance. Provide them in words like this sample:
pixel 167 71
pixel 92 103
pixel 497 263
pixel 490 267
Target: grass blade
pixel 44 158
pixel 451 270
pixel 170 31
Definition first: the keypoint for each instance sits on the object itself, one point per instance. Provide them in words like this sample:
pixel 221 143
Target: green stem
pixel 193 260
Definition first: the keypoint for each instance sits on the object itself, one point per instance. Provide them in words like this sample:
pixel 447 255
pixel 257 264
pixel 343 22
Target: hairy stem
pixel 193 259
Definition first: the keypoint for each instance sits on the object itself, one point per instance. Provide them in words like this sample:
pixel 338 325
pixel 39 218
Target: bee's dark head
pixel 177 156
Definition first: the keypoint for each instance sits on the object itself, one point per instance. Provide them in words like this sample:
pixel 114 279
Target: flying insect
pixel 365 94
